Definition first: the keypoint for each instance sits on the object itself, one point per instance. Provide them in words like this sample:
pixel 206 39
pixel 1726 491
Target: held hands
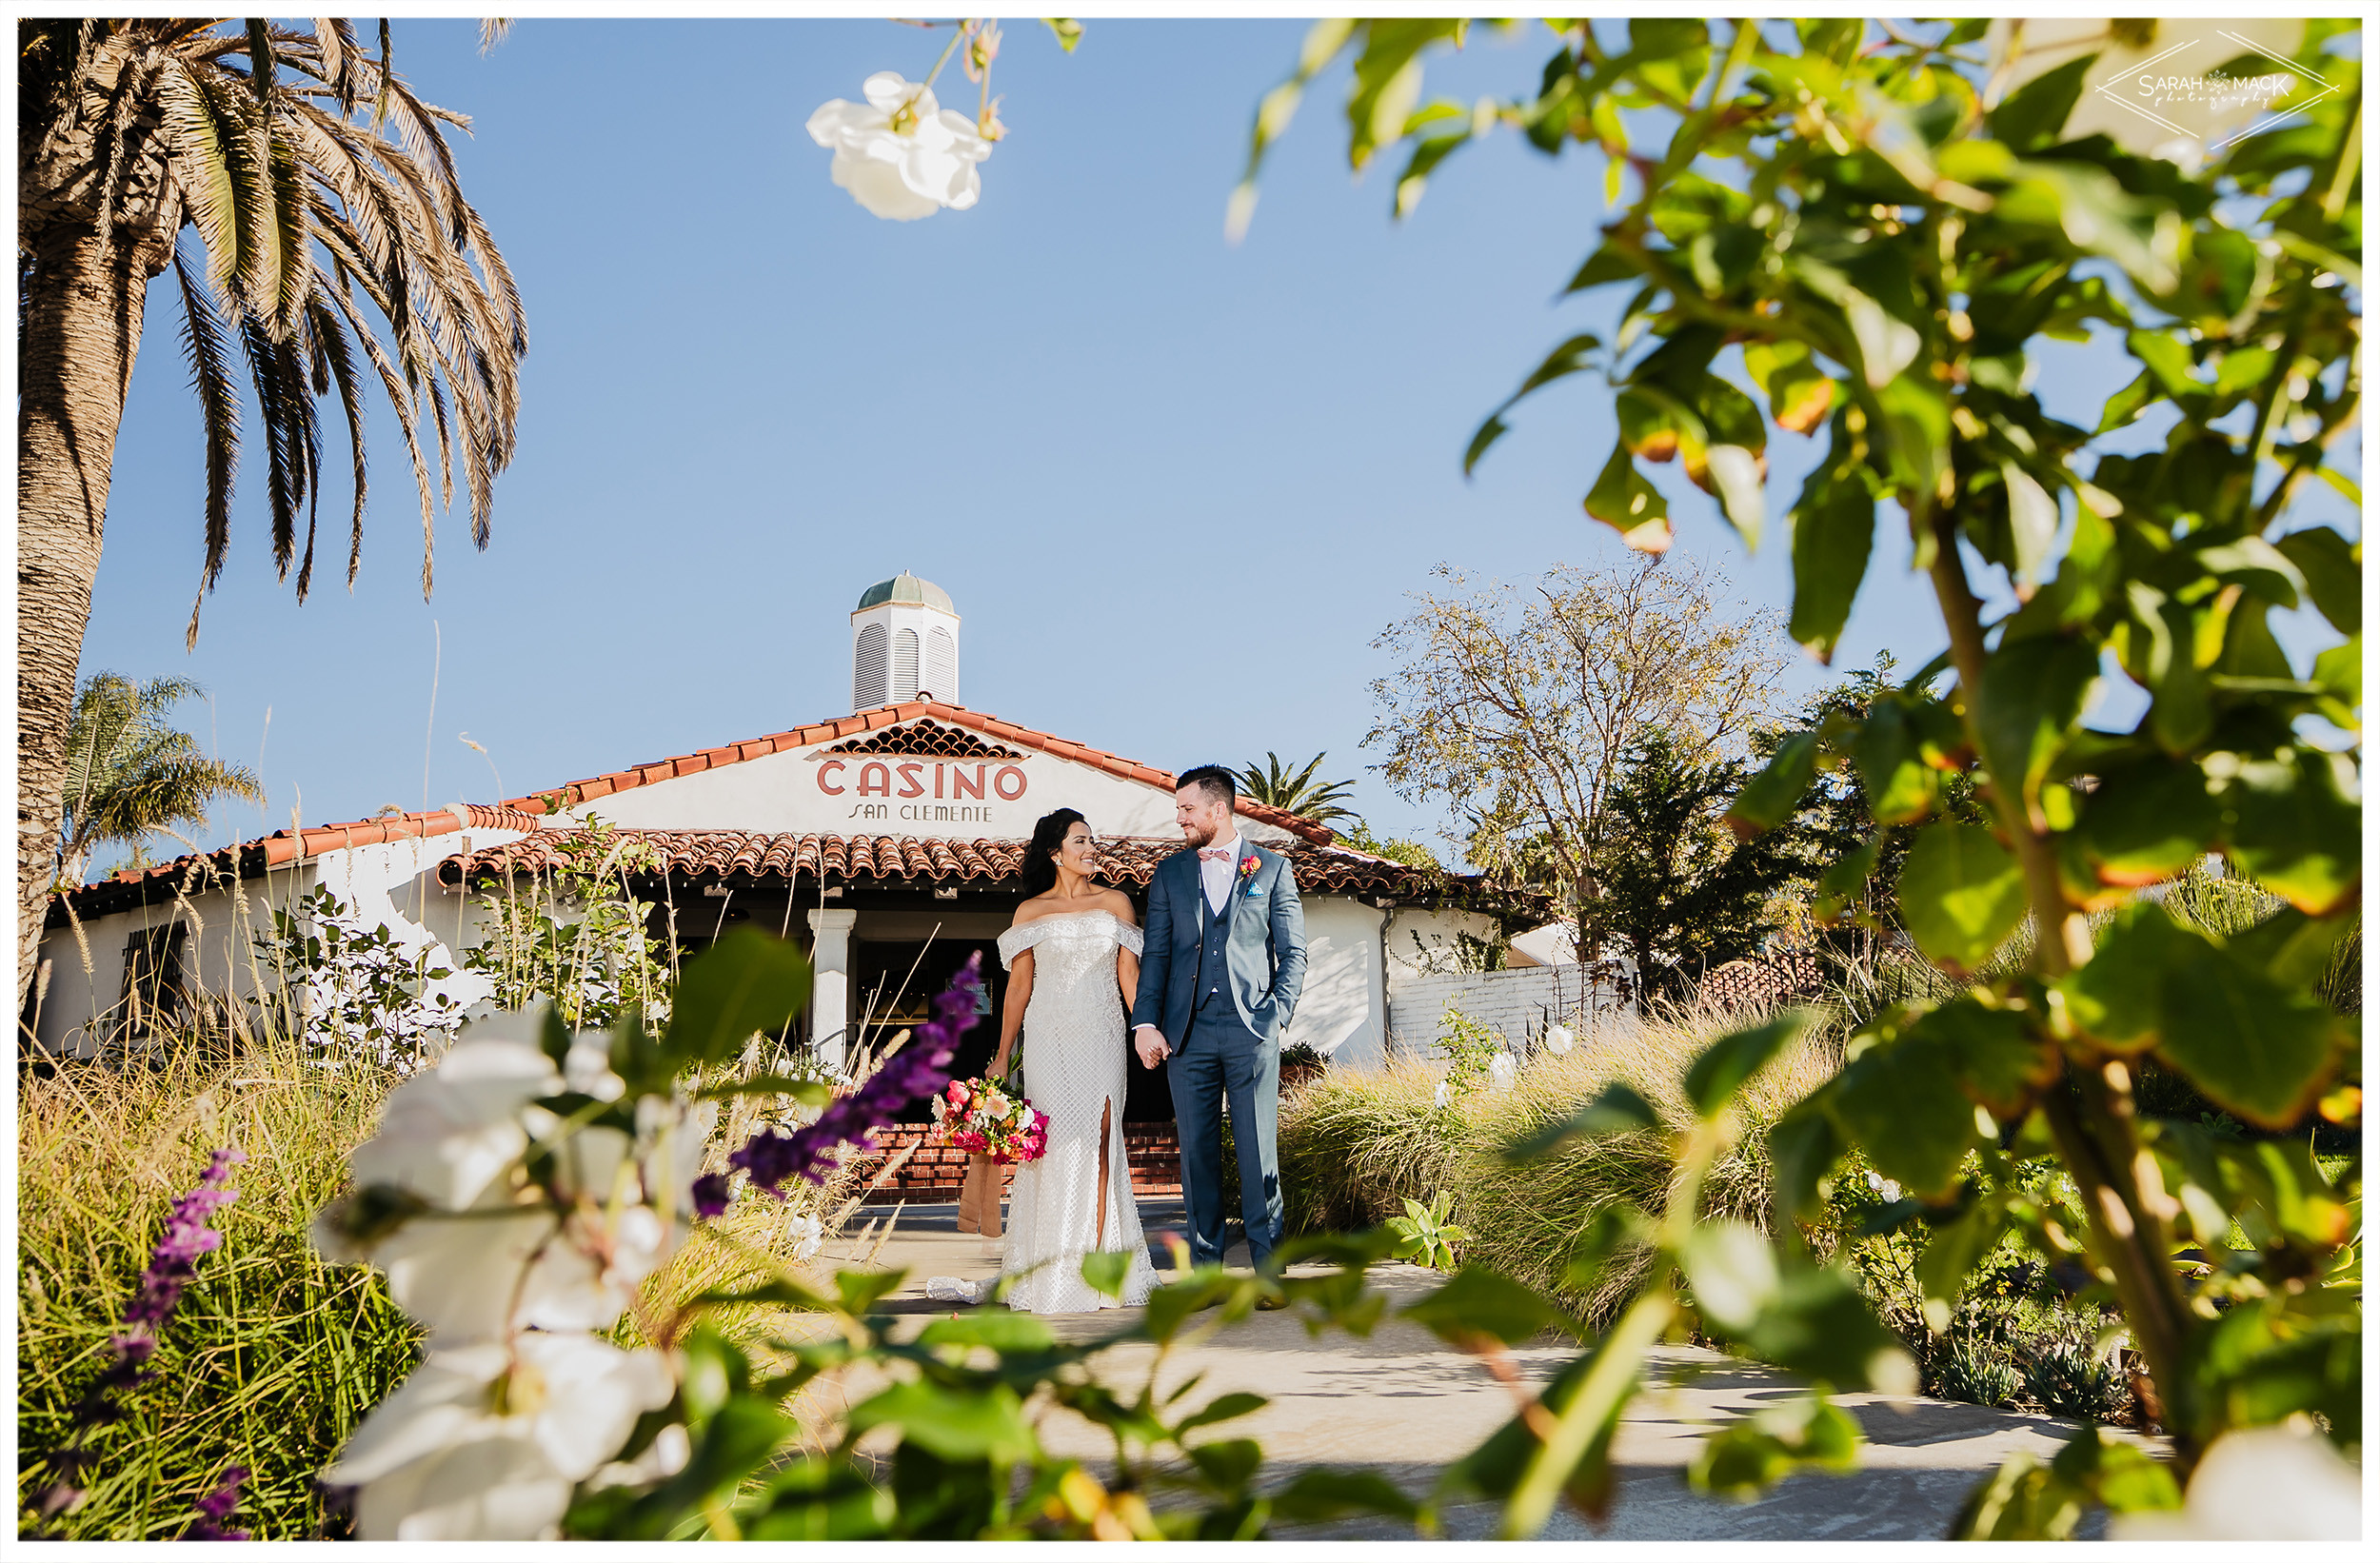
pixel 1150 1044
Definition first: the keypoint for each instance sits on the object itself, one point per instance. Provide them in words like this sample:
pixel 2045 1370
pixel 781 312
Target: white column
pixel 830 984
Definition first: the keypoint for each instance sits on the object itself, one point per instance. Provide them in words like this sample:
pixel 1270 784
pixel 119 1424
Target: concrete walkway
pixel 1402 1403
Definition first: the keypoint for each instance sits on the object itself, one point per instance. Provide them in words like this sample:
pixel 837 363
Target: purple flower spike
pixel 171 1263
pixel 711 1195
pixel 917 1071
pixel 217 1506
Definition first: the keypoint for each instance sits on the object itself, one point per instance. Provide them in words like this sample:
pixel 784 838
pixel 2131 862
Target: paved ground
pixel 1403 1404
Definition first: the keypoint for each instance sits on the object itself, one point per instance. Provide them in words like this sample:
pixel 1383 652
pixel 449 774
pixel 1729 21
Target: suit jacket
pixel 1264 953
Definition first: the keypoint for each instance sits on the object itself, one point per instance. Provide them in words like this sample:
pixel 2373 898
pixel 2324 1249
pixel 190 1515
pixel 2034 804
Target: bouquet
pixel 978 1116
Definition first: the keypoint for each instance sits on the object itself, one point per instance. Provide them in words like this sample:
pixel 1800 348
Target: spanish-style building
pixel 885 843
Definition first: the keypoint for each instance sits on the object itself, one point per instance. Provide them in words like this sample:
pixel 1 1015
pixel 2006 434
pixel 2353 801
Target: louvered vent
pixel 867 669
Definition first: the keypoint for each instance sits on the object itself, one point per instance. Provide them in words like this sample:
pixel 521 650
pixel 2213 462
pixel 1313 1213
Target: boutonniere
pixel 1248 865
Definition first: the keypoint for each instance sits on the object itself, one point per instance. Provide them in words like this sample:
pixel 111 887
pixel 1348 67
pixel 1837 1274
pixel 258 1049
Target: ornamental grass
pixel 1355 1145
pixel 271 1358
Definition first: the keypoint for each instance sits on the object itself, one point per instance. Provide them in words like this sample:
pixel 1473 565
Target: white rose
pixel 1503 1069
pixel 900 155
pixel 485 1442
pixel 447 1132
pixel 2151 120
pixel 1445 1094
pixel 2264 1484
pixel 1559 1039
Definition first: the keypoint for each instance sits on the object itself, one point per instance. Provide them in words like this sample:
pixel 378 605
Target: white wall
pixel 1344 1011
pixel 394 883
pixel 1420 941
pixel 1518 1003
pixel 799 791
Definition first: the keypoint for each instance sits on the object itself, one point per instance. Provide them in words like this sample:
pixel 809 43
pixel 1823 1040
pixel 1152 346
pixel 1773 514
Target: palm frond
pixel 219 405
pixel 330 337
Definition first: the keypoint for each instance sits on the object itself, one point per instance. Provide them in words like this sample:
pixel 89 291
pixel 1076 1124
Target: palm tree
pixel 1300 794
pixel 334 248
pixel 128 774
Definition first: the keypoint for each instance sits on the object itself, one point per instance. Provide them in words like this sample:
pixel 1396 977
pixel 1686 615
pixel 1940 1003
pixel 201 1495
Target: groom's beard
pixel 1200 835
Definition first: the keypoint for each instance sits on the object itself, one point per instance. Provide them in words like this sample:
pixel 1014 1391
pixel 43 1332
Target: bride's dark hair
pixel 1041 859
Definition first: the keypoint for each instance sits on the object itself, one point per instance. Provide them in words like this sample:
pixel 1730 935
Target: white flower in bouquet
pixel 807 1234
pixel 1502 1070
pixel 485 1442
pixel 1559 1039
pixel 995 1106
pixel 900 155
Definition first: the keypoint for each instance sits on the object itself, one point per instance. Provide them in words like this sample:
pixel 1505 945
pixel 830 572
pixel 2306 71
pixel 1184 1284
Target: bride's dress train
pixel 1073 1071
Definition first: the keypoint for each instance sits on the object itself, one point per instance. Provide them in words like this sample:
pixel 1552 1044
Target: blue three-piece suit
pixel 1221 986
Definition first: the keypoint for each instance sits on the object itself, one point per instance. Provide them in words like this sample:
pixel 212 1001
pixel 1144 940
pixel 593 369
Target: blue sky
pixel 1175 487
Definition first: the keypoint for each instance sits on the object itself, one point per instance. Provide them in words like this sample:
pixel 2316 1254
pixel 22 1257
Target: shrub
pixel 2069 1378
pixel 1355 1145
pixel 1970 1370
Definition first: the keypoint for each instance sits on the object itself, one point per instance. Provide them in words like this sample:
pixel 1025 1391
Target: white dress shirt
pixel 1216 877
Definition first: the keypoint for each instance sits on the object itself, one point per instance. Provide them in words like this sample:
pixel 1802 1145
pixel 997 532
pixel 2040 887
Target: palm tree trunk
pixel 80 333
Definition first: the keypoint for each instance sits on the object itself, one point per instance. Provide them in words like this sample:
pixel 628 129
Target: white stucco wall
pixel 392 883
pixel 1422 941
pixel 800 791
pixel 1344 1011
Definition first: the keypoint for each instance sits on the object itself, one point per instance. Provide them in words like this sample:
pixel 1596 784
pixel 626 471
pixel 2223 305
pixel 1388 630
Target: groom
pixel 1223 960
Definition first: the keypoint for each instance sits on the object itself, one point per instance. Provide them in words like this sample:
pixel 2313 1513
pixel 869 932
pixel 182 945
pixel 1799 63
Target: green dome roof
pixel 905 587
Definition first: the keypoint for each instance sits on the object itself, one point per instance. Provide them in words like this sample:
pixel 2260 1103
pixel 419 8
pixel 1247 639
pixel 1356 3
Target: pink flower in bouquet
pixel 959 1094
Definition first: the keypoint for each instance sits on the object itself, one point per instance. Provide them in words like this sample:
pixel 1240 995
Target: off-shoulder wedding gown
pixel 1074 1070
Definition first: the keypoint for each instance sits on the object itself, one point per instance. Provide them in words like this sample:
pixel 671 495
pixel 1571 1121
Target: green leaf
pixel 1745 1459
pixel 1623 499
pixel 951 1424
pixel 745 984
pixel 1833 533
pixel 1961 894
pixel 1999 1061
pixel 1317 1496
pixel 2032 696
pixel 1721 1069
pixel 1223 1407
pixel 1227 1463
pixel 1822 1327
pixel 2146 823
pixel 1568 359
pixel 2253 1046
pixel 1478 1304
pixel 808 1093
pixel 1618 1109
pixel 1002 1330
pixel 1900 1104
pixel 1610 1232
pixel 782 1293
pixel 1917 427
pixel 1804 1146
pixel 1902 789
pixel 733 1444
pixel 1732 1272
pixel 2115 996
pixel 860 1290
pixel 2036 113
pixel 1770 798
pixel 1105 1270
pixel 2296 831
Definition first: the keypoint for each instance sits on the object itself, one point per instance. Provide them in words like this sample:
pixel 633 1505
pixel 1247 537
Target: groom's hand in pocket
pixel 1150 1044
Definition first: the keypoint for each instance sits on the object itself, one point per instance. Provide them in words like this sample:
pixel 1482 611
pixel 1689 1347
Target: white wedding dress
pixel 1074 1070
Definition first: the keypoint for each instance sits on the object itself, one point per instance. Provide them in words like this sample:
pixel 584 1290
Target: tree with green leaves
pixel 1274 785
pixel 1678 890
pixel 334 252
pixel 1515 704
pixel 130 773
pixel 1865 235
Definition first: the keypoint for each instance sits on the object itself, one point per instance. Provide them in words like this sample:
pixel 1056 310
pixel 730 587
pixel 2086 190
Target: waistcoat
pixel 1213 935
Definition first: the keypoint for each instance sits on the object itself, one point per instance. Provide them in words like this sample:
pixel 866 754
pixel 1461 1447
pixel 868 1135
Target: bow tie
pixel 1215 854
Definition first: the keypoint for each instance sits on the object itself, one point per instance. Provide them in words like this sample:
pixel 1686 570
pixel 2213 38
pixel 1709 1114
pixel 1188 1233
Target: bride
pixel 1073 949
